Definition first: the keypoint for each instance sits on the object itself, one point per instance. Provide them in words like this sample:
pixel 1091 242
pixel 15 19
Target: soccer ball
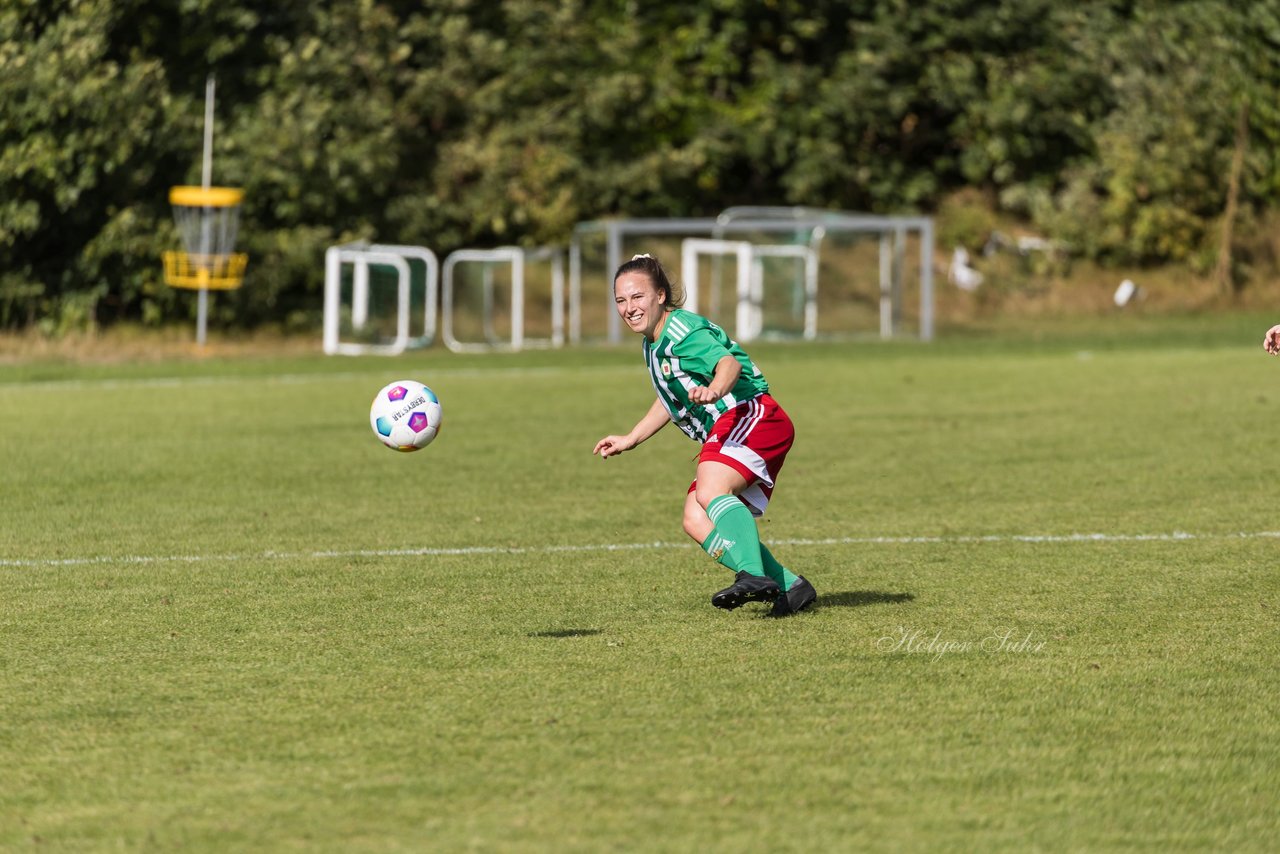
pixel 405 415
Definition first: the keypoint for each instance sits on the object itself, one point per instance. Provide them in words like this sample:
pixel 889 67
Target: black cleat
pixel 746 588
pixel 800 596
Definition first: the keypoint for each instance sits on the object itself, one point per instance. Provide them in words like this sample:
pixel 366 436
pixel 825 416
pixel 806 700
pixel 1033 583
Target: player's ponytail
pixel 649 266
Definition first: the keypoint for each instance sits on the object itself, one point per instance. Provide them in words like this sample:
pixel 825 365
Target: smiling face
pixel 640 304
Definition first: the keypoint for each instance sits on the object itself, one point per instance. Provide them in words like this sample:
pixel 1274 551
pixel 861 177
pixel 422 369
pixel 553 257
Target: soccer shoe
pixel 746 588
pixel 800 596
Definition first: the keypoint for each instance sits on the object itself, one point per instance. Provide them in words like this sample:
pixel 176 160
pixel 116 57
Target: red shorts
pixel 753 439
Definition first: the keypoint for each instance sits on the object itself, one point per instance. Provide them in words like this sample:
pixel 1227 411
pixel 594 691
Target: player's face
pixel 639 303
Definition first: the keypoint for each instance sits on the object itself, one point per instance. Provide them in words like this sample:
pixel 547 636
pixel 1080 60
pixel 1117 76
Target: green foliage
pixel 1155 185
pixel 82 145
pixel 965 219
pixel 448 123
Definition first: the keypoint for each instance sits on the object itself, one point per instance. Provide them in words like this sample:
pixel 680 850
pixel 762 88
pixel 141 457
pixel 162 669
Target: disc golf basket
pixel 208 219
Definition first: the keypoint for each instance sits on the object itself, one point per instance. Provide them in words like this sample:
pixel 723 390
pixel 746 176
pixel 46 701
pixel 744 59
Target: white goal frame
pixel 749 313
pixel 892 231
pixel 517 257
pixel 361 256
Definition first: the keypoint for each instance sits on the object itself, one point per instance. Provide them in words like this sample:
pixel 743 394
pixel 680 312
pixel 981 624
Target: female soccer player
pixel 712 390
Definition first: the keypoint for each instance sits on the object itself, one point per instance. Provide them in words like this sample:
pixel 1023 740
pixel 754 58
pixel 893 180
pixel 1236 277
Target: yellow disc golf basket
pixel 208 219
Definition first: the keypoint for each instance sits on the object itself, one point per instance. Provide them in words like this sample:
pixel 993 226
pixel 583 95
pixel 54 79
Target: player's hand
pixel 1271 341
pixel 704 394
pixel 610 445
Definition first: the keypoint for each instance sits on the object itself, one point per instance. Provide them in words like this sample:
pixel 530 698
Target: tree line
pixel 1125 128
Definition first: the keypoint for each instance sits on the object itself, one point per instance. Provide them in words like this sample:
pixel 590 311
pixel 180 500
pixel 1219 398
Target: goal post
pixel 808 258
pixel 750 286
pixel 904 270
pixel 515 259
pixel 366 325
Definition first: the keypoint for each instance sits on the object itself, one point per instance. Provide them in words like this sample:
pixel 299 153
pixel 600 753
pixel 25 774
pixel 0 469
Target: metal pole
pixel 886 305
pixel 487 304
pixel 557 299
pixel 613 247
pixel 575 289
pixel 926 280
pixel 899 270
pixel 206 181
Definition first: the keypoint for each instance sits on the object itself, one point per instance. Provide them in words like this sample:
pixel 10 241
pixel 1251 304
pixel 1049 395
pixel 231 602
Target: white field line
pixel 107 560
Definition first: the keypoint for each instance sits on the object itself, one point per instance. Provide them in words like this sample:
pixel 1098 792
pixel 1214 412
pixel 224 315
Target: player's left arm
pixel 727 371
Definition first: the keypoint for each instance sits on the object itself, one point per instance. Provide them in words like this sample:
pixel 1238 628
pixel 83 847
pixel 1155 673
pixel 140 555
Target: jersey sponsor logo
pixel 666 368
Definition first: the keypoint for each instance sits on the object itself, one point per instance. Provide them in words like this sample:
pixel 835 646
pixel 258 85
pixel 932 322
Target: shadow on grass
pixel 565 633
pixel 859 598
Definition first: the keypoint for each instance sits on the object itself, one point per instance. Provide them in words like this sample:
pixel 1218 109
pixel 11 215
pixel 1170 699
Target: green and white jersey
pixel 685 356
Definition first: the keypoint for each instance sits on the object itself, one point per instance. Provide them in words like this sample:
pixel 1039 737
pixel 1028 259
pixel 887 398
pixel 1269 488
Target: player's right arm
pixel 1271 341
pixel 653 421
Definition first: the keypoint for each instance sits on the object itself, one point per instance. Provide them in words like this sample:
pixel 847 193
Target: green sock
pixel 738 537
pixel 714 546
pixel 775 570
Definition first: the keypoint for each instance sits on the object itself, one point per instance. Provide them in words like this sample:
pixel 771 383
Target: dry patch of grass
pixel 131 344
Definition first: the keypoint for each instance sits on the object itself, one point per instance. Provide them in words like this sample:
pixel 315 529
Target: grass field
pixel 231 620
